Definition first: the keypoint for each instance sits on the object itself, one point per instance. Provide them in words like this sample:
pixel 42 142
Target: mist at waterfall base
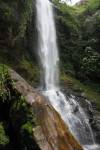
pixel 77 121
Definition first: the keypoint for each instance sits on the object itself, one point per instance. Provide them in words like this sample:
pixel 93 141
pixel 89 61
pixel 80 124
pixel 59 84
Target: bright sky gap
pixel 71 2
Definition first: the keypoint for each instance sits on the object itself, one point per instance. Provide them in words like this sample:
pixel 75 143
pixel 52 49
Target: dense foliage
pixel 79 38
pixel 16 117
pixel 17 33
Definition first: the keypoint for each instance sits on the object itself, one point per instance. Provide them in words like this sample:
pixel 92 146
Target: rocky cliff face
pixel 17 36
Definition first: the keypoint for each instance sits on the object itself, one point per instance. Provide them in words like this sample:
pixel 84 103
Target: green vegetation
pixel 78 32
pixel 89 6
pixel 16 116
pixel 30 71
pixel 3 137
pixel 78 35
pixel 15 31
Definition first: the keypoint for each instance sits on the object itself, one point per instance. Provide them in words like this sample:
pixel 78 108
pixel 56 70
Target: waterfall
pixel 47 44
pixel 78 122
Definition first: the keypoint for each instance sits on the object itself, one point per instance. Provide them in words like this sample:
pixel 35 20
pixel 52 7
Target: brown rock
pixel 55 135
pixel 51 132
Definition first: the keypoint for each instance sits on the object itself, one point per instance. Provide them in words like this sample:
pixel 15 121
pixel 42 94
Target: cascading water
pixel 48 52
pixel 47 44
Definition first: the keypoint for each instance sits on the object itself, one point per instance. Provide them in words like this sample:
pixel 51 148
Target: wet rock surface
pixel 89 108
pixel 51 132
pixel 54 133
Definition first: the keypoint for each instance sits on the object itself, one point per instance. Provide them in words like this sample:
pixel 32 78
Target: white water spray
pixel 48 52
pixel 47 44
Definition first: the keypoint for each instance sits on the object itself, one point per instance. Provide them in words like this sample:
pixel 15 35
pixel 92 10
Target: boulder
pixel 51 133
